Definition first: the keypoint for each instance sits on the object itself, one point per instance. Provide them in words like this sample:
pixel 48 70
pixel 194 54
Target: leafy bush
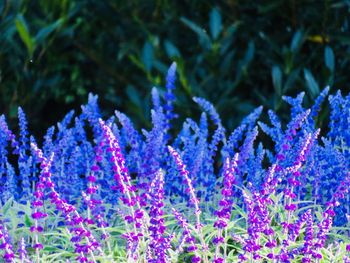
pixel 101 191
pixel 238 54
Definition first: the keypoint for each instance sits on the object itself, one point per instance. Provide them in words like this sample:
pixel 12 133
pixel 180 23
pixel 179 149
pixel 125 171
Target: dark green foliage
pixel 239 54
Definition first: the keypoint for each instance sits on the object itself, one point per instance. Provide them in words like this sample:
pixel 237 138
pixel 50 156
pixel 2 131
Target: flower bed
pixel 102 191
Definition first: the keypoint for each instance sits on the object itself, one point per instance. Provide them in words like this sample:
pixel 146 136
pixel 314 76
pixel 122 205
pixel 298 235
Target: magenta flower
pixel 129 197
pixel 72 217
pixel 6 246
pixel 193 198
pixel 22 251
pixel 95 205
pixel 183 171
pixel 158 243
pixel 224 213
pixel 187 236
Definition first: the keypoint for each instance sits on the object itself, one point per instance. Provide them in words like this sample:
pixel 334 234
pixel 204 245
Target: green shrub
pixel 237 53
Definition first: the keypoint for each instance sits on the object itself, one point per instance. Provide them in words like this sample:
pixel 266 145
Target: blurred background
pixel 238 54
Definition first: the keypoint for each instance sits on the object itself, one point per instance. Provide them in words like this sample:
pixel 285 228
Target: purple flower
pixel 224 214
pixel 118 162
pixel 5 245
pixel 186 235
pixel 196 259
pixel 218 260
pixel 123 180
pixel 159 244
pixel 290 207
pixel 258 221
pixel 271 244
pixel 210 109
pixel 169 95
pixel 22 251
pixel 73 219
pixel 183 171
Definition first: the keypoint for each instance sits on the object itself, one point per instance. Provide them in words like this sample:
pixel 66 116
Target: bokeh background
pixel 239 54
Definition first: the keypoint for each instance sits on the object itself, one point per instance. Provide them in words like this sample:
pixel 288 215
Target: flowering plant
pixel 101 191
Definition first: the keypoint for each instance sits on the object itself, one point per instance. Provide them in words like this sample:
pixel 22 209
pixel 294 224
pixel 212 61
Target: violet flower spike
pixel 73 219
pixel 224 214
pixel 327 221
pixel 95 206
pixel 187 236
pixel 122 177
pixel 39 198
pixel 307 249
pixel 194 200
pixel 258 222
pixel 5 245
pixel 294 170
pixel 159 244
pixel 22 251
pixel 121 174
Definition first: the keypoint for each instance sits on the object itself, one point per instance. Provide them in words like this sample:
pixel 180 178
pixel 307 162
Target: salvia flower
pixel 225 204
pixel 183 171
pixel 187 236
pixel 307 249
pixel 210 109
pixel 72 218
pixel 94 204
pixel 71 183
pixel 169 96
pixel 6 246
pixel 121 175
pixel 129 197
pixel 22 251
pixel 159 244
pixel 194 200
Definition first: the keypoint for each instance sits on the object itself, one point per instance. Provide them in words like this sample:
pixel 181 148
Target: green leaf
pixel 277 79
pixel 269 7
pixel 147 55
pixel 23 32
pixel 291 79
pixel 171 49
pixel 297 41
pixel 69 98
pixel 249 54
pixel 226 64
pixel 46 31
pixel 244 62
pixel 215 23
pixel 329 58
pixel 228 38
pixel 201 33
pixel 7 206
pixel 312 85
pixel 27 221
pixel 134 95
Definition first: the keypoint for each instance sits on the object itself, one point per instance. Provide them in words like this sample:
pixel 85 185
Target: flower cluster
pixel 101 190
pixel 6 246
pixel 187 237
pixel 84 242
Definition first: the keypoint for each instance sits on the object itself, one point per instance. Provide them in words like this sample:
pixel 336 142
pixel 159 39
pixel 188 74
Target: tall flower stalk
pixel 72 217
pixel 187 237
pixel 224 214
pixel 193 198
pixel 159 244
pixel 129 196
pixel 5 245
pixel 95 207
pixel 127 168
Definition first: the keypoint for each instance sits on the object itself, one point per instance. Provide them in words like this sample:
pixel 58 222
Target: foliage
pixel 102 191
pixel 238 54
